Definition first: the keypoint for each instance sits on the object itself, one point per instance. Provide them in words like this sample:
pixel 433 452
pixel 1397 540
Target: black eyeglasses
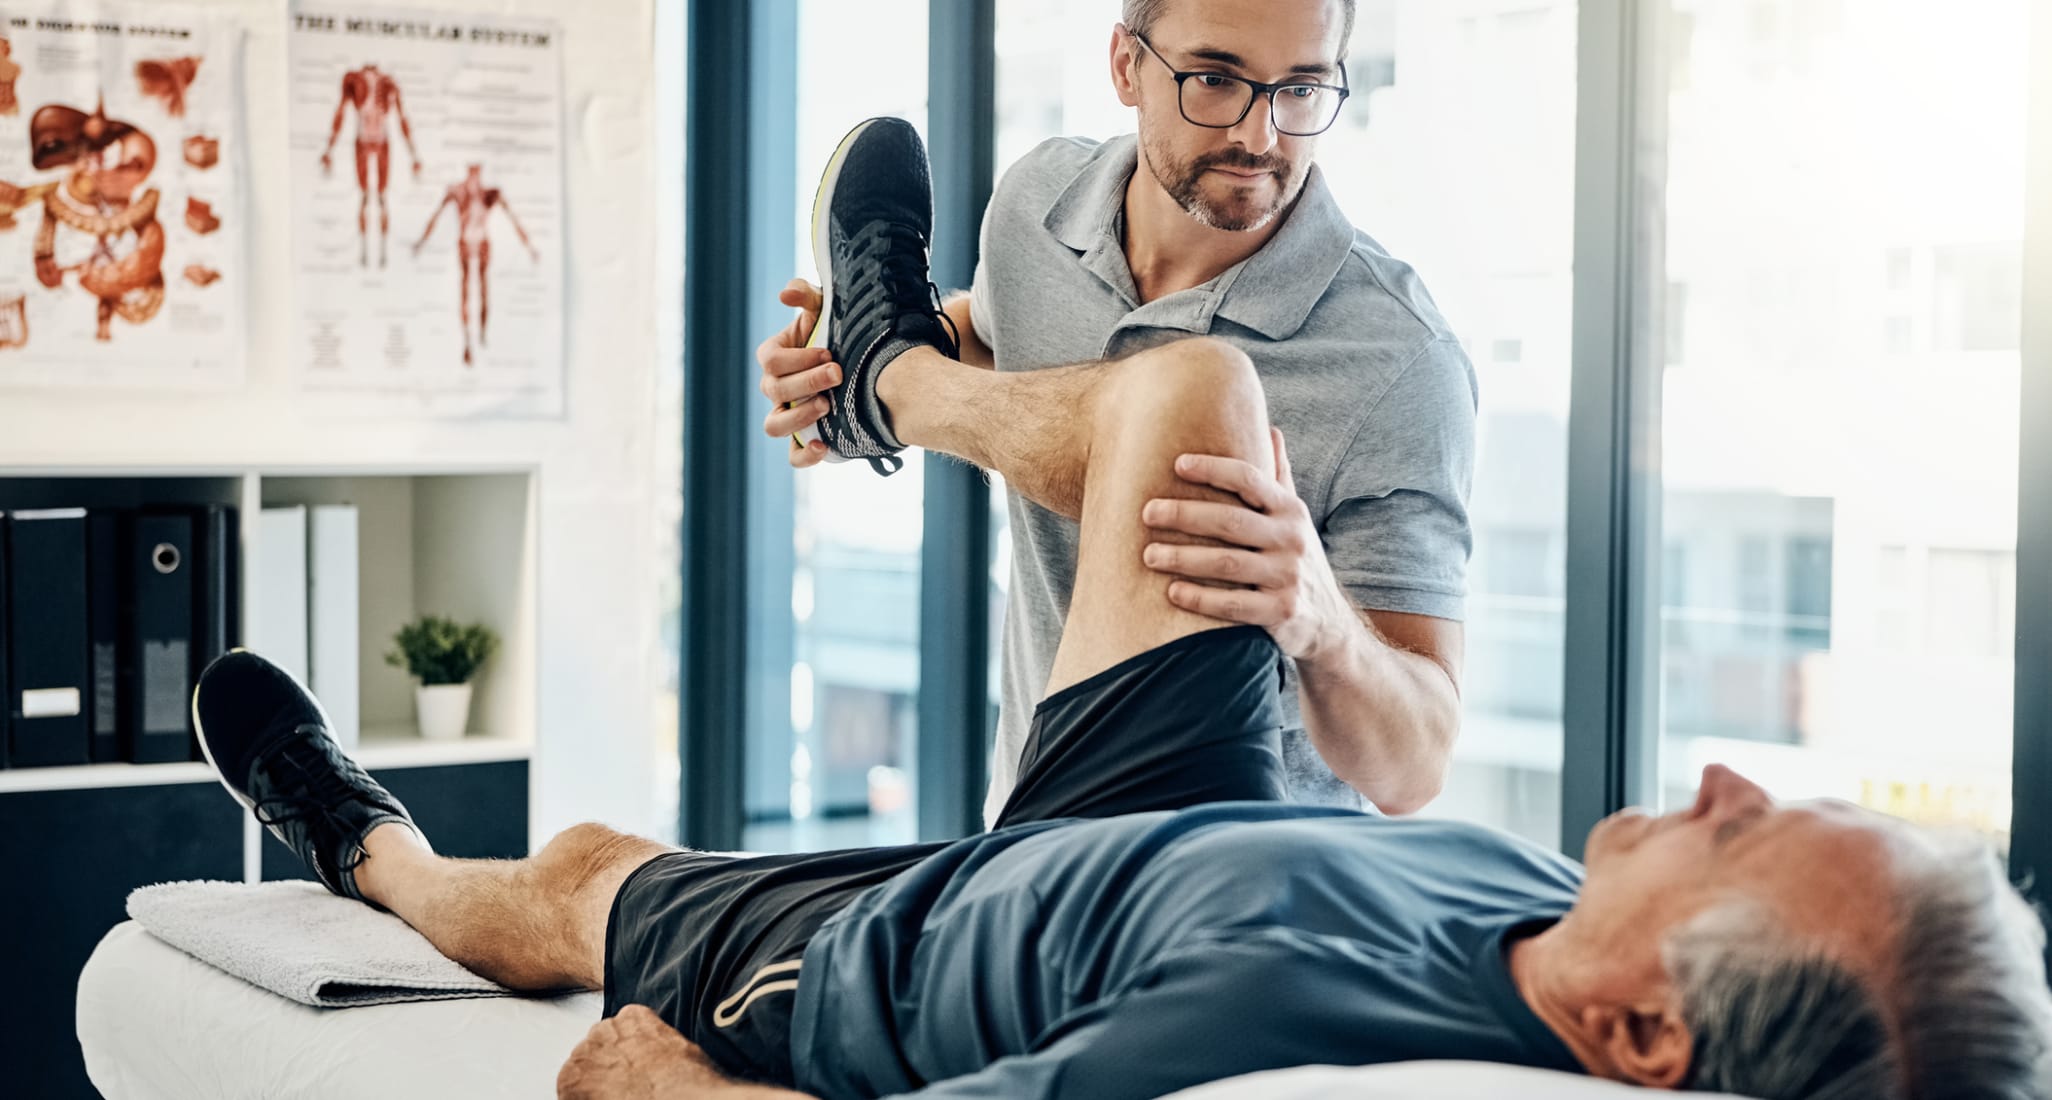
pixel 1219 102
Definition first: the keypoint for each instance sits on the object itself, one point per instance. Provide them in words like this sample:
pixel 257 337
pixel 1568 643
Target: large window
pixel 1774 261
pixel 1451 100
pixel 1842 229
pixel 847 774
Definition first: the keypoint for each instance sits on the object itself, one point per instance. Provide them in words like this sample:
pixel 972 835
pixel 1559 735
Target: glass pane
pixel 1449 101
pixel 1841 315
pixel 855 589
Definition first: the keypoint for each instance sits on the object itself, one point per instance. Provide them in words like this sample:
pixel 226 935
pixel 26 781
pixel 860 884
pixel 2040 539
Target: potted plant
pixel 443 654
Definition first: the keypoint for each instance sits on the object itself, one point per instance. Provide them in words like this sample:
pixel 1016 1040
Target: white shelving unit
pixel 458 541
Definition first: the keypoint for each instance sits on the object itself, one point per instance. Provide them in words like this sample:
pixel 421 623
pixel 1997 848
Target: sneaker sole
pixel 822 203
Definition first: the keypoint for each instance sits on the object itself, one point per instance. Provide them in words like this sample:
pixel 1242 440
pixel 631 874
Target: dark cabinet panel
pixel 469 811
pixel 68 859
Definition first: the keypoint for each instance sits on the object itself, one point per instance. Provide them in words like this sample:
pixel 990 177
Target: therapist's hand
pixel 1275 560
pixel 795 378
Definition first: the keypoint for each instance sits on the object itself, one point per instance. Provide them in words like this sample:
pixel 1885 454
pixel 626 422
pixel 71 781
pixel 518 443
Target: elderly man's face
pixel 1827 870
pixel 1238 178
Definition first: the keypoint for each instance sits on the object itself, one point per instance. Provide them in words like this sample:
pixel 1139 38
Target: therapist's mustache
pixel 1243 163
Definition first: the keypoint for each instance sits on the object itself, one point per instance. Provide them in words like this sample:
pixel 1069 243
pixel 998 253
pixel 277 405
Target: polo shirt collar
pixel 1271 292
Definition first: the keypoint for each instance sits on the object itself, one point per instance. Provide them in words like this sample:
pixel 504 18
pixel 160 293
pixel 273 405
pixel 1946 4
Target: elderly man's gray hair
pixel 1966 1011
pixel 1139 16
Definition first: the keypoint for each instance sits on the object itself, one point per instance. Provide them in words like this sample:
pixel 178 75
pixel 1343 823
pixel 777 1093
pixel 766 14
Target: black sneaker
pixel 267 739
pixel 871 222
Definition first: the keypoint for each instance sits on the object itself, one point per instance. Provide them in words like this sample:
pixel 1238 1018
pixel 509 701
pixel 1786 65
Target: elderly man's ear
pixel 1645 1044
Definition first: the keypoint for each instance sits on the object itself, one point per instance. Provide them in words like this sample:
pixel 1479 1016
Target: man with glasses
pixel 1211 221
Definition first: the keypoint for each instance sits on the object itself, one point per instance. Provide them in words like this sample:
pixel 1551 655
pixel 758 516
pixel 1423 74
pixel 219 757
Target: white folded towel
pixel 301 942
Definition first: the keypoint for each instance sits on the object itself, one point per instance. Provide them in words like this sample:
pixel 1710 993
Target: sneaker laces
pixel 328 789
pixel 902 274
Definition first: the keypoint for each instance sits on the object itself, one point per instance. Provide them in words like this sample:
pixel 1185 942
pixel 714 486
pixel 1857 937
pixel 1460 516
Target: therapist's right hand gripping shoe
pixel 268 739
pixel 871 223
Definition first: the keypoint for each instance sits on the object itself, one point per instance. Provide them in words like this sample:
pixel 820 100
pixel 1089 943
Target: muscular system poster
pixel 427 210
pixel 121 215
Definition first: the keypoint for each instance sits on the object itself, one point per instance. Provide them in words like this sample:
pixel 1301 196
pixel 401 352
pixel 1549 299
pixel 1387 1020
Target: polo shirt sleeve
pixel 1396 527
pixel 997 214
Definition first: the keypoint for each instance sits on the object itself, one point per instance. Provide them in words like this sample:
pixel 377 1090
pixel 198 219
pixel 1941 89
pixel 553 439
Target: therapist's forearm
pixel 1382 717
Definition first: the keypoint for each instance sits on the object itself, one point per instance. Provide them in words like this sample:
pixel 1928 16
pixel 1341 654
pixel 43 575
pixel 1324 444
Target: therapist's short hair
pixel 1139 16
pixel 1965 1010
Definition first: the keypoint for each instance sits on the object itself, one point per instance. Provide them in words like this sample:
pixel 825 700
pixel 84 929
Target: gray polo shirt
pixel 1371 389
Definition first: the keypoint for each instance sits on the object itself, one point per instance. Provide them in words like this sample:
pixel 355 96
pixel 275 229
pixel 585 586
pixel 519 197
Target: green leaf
pixel 441 651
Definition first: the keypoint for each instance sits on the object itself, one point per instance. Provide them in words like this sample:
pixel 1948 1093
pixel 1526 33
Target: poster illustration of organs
pixel 427 208
pixel 122 256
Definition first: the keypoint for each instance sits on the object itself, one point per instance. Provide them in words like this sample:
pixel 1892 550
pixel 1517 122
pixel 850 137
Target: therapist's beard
pixel 1184 182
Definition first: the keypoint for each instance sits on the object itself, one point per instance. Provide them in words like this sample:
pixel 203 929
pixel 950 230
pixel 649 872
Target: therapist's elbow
pixel 1415 792
pixel 1415 773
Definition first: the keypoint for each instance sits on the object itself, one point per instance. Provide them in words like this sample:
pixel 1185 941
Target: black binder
pixel 159 641
pixel 216 536
pixel 103 632
pixel 47 613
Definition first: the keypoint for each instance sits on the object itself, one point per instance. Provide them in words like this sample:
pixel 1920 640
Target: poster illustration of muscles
pixel 427 210
pixel 122 257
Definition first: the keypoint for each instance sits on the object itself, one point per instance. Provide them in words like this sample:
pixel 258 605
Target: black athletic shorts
pixel 714 943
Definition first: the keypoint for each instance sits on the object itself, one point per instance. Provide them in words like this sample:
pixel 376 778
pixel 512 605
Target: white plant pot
pixel 444 710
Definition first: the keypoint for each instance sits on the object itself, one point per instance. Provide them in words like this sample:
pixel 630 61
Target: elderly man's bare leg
pixel 532 924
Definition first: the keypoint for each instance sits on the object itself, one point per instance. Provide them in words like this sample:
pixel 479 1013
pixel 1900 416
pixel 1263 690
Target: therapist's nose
pixel 1256 132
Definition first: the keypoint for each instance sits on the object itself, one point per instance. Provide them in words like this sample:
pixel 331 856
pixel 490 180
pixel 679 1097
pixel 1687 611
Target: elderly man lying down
pixel 1149 915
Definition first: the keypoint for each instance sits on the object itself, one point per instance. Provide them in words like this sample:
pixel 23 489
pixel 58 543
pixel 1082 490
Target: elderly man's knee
pixel 586 853
pixel 1201 384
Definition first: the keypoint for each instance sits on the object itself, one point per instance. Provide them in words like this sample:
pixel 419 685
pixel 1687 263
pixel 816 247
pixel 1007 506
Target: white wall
pixel 597 525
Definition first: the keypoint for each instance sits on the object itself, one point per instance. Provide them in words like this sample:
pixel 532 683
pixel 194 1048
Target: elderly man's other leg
pixel 536 923
pixel 1191 397
pixel 532 924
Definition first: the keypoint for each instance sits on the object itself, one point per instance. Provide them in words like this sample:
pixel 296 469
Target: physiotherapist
pixel 1214 220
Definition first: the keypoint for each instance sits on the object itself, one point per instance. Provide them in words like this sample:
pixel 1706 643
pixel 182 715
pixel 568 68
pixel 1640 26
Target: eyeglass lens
pixel 1214 100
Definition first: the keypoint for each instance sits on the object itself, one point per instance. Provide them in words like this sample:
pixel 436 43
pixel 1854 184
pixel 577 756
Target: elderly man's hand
pixel 636 1056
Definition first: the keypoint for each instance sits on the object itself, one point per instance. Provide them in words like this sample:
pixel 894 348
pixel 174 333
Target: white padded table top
pixel 1424 1081
pixel 156 1023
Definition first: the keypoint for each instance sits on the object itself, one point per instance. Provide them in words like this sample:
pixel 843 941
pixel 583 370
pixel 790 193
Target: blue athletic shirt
pixel 1133 956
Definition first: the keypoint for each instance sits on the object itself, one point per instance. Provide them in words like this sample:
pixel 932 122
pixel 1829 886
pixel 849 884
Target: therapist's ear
pixel 1124 60
pixel 1647 1044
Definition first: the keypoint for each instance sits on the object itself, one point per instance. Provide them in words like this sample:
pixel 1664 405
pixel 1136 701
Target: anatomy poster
pixel 427 208
pixel 121 195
